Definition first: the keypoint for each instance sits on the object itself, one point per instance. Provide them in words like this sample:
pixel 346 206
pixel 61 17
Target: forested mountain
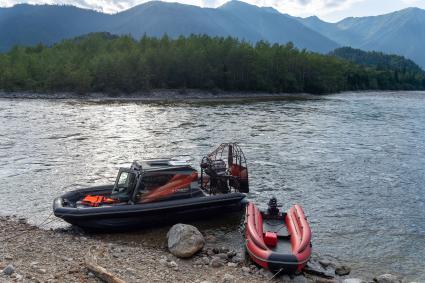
pixel 377 60
pixel 27 24
pixel 107 63
pixel 401 32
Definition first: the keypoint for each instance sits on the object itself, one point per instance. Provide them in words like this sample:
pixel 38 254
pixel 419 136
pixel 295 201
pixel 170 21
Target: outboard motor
pixel 273 210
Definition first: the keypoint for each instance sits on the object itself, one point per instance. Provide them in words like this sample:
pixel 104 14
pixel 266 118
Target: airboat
pixel 161 191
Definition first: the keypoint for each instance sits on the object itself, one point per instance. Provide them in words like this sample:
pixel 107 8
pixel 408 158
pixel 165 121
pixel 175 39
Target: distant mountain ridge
pixel 401 32
pixel 26 24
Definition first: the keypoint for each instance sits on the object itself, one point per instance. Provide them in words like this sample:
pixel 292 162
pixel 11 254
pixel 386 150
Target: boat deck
pixel 278 226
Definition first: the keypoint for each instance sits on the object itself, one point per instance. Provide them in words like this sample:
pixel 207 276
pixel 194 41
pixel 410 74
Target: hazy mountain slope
pixel 159 18
pixel 401 32
pixel 276 27
pixel 342 36
pixel 28 25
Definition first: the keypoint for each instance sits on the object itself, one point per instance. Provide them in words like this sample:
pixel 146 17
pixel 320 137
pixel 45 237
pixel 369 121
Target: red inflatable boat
pixel 278 241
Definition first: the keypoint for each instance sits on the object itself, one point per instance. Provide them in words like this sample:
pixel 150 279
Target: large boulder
pixel 387 278
pixel 184 240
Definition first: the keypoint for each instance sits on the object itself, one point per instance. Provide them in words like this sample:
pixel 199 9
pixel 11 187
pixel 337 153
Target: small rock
pixel 232 264
pixel 223 250
pixel 266 273
pixel 222 256
pixel 216 250
pixel 342 270
pixel 8 257
pixel 228 278
pixel 387 278
pixel 90 275
pixel 205 260
pixel 131 270
pixel 210 238
pixel 316 269
pixel 237 259
pixel 353 280
pixel 296 279
pixel 231 254
pixel 41 271
pixel 172 264
pixel 325 263
pixel 184 240
pixel 210 252
pixel 8 270
pixel 246 269
pixel 324 280
pixel 217 262
pixel 163 261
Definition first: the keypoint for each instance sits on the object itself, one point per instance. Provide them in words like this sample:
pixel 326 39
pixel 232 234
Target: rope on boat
pixel 43 223
pixel 279 271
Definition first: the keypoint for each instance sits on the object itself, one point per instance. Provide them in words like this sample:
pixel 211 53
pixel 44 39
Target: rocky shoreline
pixel 31 254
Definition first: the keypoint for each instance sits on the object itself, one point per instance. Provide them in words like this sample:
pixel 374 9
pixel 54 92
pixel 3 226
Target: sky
pixel 329 10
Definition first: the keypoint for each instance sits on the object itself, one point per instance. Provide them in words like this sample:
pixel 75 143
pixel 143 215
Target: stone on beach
pixel 184 240
pixel 342 270
pixel 387 278
pixel 353 280
pixel 217 262
pixel 228 278
pixel 8 270
pixel 316 269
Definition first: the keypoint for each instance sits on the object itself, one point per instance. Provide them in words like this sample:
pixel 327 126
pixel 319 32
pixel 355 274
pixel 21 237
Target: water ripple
pixel 355 162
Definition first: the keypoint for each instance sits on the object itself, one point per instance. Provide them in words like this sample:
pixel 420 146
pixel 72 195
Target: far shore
pixel 163 95
pixel 176 95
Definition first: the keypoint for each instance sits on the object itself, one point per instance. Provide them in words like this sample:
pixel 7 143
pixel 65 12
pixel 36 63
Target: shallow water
pixel 355 162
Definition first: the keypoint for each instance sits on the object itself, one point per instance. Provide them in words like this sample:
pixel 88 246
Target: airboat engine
pixel 224 170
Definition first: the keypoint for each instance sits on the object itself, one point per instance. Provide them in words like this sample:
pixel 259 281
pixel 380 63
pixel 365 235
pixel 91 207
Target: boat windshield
pixel 124 184
pixel 123 180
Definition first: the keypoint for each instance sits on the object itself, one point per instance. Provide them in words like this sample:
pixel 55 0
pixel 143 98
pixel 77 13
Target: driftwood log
pixel 100 272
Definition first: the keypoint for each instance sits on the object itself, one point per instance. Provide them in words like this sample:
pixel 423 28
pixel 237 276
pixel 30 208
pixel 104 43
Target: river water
pixel 354 161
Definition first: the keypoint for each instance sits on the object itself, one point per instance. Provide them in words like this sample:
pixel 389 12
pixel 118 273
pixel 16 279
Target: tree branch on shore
pixel 91 264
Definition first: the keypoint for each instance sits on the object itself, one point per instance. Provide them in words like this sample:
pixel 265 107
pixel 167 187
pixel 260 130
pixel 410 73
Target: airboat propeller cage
pixel 225 169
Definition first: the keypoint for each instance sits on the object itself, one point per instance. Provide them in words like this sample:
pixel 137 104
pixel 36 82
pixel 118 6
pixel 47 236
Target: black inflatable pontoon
pixel 160 191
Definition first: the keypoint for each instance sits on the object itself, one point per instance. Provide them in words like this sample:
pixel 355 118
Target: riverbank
pixel 31 254
pixel 163 95
pixel 187 95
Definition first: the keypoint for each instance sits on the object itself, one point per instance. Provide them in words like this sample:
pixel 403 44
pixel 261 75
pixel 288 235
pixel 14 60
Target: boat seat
pixel 276 227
